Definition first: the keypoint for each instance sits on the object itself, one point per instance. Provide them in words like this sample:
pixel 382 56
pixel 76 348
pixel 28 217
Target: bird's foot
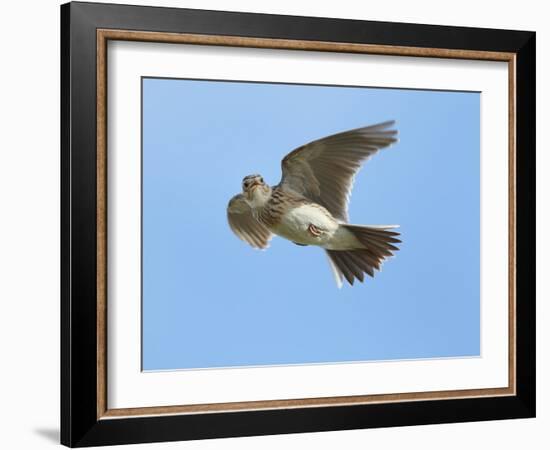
pixel 314 230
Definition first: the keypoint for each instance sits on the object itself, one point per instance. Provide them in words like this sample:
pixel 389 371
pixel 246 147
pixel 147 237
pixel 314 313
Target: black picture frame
pixel 80 425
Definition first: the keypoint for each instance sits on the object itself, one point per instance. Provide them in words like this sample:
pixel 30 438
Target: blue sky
pixel 209 300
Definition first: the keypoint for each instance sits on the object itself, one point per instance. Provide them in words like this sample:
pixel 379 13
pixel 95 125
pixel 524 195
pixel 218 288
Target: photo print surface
pixel 211 300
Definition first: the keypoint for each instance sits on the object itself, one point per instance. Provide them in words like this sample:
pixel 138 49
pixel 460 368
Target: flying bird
pixel 309 206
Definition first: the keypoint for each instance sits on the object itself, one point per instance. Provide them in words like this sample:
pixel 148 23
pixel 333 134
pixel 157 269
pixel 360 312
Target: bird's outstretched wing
pixel 244 225
pixel 323 170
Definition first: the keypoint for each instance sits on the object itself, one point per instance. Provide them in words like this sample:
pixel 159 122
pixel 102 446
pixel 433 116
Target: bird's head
pixel 255 190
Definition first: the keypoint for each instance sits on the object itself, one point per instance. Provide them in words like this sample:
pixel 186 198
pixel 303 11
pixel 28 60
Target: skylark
pixel 309 206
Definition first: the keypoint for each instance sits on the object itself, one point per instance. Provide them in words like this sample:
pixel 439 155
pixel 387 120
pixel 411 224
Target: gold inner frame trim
pixel 103 36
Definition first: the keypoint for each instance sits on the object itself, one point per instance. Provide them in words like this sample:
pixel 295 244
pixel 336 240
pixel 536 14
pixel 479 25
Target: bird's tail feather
pixel 377 245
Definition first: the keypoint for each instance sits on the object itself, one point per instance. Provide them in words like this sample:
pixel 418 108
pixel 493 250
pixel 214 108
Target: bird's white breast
pixel 294 224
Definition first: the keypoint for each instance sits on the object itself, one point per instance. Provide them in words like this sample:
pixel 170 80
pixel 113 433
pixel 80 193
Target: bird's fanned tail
pixel 377 245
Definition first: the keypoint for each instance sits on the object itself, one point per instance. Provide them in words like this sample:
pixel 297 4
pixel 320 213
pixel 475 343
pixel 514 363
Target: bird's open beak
pixel 255 184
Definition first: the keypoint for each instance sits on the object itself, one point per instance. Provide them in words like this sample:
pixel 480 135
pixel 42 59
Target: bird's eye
pixel 261 180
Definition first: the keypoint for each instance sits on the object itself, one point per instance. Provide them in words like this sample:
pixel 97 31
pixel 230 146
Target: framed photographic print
pixel 276 224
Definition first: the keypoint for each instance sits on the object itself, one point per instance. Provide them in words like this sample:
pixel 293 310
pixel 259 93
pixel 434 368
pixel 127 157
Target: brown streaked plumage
pixel 310 204
pixel 279 202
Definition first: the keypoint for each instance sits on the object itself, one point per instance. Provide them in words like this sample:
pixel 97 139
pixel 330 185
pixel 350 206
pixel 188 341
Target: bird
pixel 309 206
